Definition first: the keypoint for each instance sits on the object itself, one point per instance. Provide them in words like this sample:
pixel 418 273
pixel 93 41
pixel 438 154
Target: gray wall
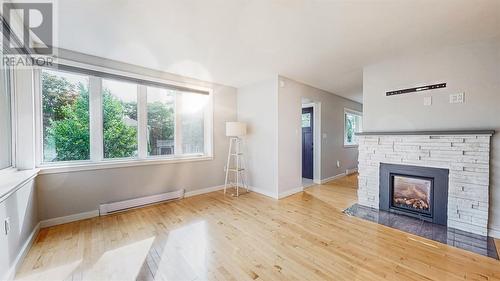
pixel 472 68
pixel 257 105
pixel 21 208
pixel 70 193
pixel 290 138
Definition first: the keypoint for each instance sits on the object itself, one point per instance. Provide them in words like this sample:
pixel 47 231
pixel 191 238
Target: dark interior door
pixel 307 142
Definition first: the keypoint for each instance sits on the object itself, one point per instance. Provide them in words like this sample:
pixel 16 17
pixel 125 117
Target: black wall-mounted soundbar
pixel 416 89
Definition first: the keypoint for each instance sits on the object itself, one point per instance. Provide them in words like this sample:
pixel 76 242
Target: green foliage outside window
pixel 67 127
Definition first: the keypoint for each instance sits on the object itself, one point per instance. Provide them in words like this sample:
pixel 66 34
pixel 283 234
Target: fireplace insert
pixel 415 191
pixel 411 194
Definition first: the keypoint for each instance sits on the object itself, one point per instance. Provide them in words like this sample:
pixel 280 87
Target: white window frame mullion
pixel 208 126
pixel 177 124
pixel 37 89
pixel 96 119
pixel 142 121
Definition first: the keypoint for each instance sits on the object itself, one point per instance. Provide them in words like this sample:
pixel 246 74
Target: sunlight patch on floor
pixel 122 263
pixel 185 253
pixel 55 273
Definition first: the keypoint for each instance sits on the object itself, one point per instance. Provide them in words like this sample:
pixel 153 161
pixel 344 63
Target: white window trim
pixel 13 119
pixel 97 160
pixel 13 124
pixel 355 112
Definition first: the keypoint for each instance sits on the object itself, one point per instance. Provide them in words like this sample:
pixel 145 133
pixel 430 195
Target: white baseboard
pixel 290 192
pixel 10 275
pixel 323 181
pixel 263 192
pixel 494 233
pixel 70 218
pixel 351 171
pixel 203 190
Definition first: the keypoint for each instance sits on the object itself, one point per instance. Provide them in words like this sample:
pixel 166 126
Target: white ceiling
pixel 324 43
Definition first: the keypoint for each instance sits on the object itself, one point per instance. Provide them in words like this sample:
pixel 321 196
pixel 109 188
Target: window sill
pixel 113 164
pixel 12 179
pixel 351 145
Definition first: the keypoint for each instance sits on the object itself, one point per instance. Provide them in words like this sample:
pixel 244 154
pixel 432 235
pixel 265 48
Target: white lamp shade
pixel 236 129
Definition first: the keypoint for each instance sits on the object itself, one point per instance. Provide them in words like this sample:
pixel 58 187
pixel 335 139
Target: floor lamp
pixel 235 130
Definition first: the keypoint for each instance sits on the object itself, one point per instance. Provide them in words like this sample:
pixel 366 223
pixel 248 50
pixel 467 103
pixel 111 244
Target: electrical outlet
pixel 338 164
pixel 7 226
pixel 457 98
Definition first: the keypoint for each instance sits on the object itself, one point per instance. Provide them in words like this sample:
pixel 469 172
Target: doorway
pixel 307 144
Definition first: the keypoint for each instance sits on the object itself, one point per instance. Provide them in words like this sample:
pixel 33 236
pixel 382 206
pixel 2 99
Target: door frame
pixel 316 140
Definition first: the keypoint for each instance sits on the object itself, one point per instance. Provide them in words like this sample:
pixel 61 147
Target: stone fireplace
pixel 440 177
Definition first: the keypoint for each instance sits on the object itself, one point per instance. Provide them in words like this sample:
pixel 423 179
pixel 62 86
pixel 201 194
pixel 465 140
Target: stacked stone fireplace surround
pixel 466 154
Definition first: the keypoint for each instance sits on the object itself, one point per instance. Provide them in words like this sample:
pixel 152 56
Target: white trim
pixel 70 218
pixel 351 171
pixel 132 75
pixel 113 164
pixel 118 206
pixel 12 179
pixel 290 192
pixel 11 273
pixel 263 192
pixel 13 119
pixel 354 112
pixel 203 191
pixel 142 121
pixel 37 92
pixel 323 181
pixel 494 233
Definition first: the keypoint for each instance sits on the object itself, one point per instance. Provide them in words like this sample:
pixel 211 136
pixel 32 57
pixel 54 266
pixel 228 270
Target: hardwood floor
pixel 303 237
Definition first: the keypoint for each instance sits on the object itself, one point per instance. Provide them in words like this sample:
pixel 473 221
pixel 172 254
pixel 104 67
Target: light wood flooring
pixel 303 237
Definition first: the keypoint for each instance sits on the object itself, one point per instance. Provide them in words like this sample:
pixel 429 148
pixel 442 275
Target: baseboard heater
pixel 138 202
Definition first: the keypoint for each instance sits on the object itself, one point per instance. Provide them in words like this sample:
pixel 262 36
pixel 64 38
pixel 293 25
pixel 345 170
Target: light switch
pixel 427 101
pixel 457 98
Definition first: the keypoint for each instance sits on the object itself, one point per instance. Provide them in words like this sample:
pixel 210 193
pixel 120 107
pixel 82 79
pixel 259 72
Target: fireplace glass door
pixel 412 194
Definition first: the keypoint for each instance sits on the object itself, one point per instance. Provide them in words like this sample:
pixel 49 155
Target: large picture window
pixel 119 119
pixel 192 122
pixel 161 121
pixel 5 118
pixel 65 116
pixel 90 117
pixel 353 122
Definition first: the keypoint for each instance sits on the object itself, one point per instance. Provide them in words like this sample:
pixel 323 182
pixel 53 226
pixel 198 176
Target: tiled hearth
pixel 466 154
pixel 478 244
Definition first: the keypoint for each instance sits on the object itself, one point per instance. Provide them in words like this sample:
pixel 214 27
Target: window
pixel 119 105
pixel 192 115
pixel 306 120
pixel 5 118
pixel 91 116
pixel 161 121
pixel 352 124
pixel 65 116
